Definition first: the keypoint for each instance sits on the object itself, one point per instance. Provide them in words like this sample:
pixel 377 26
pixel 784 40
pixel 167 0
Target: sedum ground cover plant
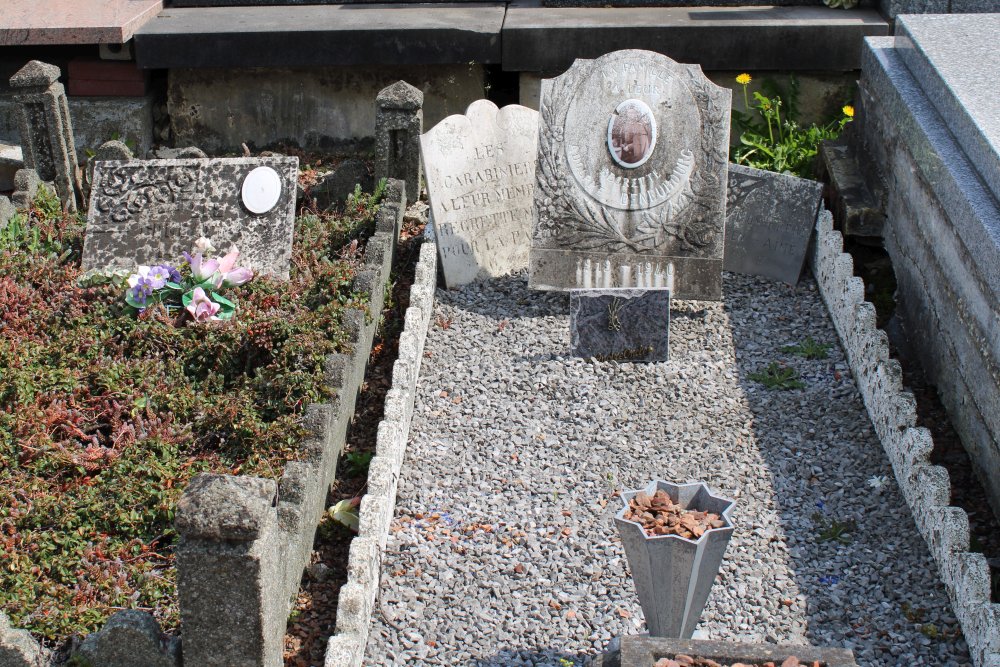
pixel 106 410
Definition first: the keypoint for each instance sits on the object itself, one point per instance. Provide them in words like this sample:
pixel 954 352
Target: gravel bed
pixel 503 550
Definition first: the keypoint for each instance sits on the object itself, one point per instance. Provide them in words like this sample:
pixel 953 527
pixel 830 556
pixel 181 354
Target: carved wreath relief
pixel 633 150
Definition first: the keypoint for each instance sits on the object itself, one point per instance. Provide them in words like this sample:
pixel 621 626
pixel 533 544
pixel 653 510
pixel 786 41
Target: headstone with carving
pixel 480 176
pixel 769 219
pixel 146 211
pixel 631 176
pixel 620 324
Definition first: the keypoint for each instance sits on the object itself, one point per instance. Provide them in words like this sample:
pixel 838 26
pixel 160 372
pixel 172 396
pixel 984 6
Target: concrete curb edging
pixel 892 409
pixel 357 597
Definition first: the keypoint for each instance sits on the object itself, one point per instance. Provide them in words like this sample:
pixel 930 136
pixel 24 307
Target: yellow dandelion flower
pixel 848 111
pixel 744 79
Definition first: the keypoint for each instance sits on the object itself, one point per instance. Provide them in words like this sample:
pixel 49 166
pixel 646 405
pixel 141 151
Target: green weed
pixel 775 376
pixel 809 349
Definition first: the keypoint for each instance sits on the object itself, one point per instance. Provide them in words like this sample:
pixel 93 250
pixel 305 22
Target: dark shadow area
pixel 873 265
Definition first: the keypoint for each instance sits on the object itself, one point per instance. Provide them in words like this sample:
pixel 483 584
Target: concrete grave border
pixel 892 409
pixel 357 597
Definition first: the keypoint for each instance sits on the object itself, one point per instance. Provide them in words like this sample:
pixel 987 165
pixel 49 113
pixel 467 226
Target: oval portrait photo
pixel 631 133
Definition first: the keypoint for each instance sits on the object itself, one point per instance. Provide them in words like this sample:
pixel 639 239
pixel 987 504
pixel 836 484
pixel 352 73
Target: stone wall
pixel 928 129
pixel 892 409
pixel 95 121
pixel 357 596
pixel 321 108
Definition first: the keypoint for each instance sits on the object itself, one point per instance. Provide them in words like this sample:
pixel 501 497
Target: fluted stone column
pixel 399 121
pixel 46 129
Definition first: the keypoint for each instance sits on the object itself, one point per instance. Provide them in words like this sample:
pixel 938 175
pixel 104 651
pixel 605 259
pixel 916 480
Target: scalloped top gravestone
pixel 147 211
pixel 631 177
pixel 480 177
pixel 769 219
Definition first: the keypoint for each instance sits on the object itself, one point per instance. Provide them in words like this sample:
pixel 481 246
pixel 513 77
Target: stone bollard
pixel 46 129
pixel 399 121
pixel 17 647
pixel 130 638
pixel 229 573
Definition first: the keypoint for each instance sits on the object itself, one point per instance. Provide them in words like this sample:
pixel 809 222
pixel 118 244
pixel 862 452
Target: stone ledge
pixel 522 36
pixel 547 39
pixel 322 35
pixel 891 407
pixel 28 22
pixel 358 595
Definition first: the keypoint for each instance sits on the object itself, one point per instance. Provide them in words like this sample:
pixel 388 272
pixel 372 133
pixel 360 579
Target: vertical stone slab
pixel 229 573
pixel 399 121
pixel 769 220
pixel 480 177
pixel 46 129
pixel 632 157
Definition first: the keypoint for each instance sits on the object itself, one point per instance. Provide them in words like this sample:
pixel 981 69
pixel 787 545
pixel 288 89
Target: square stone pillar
pixel 229 573
pixel 46 129
pixel 399 121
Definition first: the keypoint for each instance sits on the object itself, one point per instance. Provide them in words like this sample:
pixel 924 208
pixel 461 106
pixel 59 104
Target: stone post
pixel 229 573
pixel 399 121
pixel 46 130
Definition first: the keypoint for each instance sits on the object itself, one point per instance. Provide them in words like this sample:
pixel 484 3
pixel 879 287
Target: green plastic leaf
pixel 222 301
pixel 132 301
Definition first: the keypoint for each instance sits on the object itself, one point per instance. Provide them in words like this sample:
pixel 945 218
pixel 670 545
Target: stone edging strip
pixel 892 409
pixel 357 597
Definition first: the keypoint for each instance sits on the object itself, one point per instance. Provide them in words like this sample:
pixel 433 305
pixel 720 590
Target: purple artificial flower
pixel 173 273
pixel 201 307
pixel 157 276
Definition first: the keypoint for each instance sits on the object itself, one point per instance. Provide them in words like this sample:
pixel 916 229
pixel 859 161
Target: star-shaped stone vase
pixel 673 575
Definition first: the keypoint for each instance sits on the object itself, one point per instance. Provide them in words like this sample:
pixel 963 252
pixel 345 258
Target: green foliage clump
pixel 770 135
pixel 776 376
pixel 105 415
pixel 809 349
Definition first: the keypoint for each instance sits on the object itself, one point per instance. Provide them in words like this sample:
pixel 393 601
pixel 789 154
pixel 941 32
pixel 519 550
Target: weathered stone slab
pixel 620 324
pixel 146 211
pixel 632 159
pixel 480 178
pixel 769 219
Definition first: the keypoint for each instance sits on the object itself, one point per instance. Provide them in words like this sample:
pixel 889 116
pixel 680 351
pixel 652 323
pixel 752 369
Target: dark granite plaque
pixel 631 177
pixel 147 211
pixel 620 324
pixel 769 218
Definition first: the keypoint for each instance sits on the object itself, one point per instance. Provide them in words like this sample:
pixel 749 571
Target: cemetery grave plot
pixel 108 415
pixel 503 550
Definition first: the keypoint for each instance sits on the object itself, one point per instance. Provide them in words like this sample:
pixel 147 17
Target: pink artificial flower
pixel 201 307
pixel 228 263
pixel 237 277
pixel 201 268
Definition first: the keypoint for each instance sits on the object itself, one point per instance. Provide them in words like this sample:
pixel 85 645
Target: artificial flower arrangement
pixel 194 286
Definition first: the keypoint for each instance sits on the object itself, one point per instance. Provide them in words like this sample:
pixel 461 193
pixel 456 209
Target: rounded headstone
pixel 261 190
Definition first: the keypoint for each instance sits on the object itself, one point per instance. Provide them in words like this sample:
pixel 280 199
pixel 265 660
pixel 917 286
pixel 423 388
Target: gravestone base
pixel 620 324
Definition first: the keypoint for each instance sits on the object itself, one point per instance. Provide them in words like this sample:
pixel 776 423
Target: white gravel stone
pixel 502 550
